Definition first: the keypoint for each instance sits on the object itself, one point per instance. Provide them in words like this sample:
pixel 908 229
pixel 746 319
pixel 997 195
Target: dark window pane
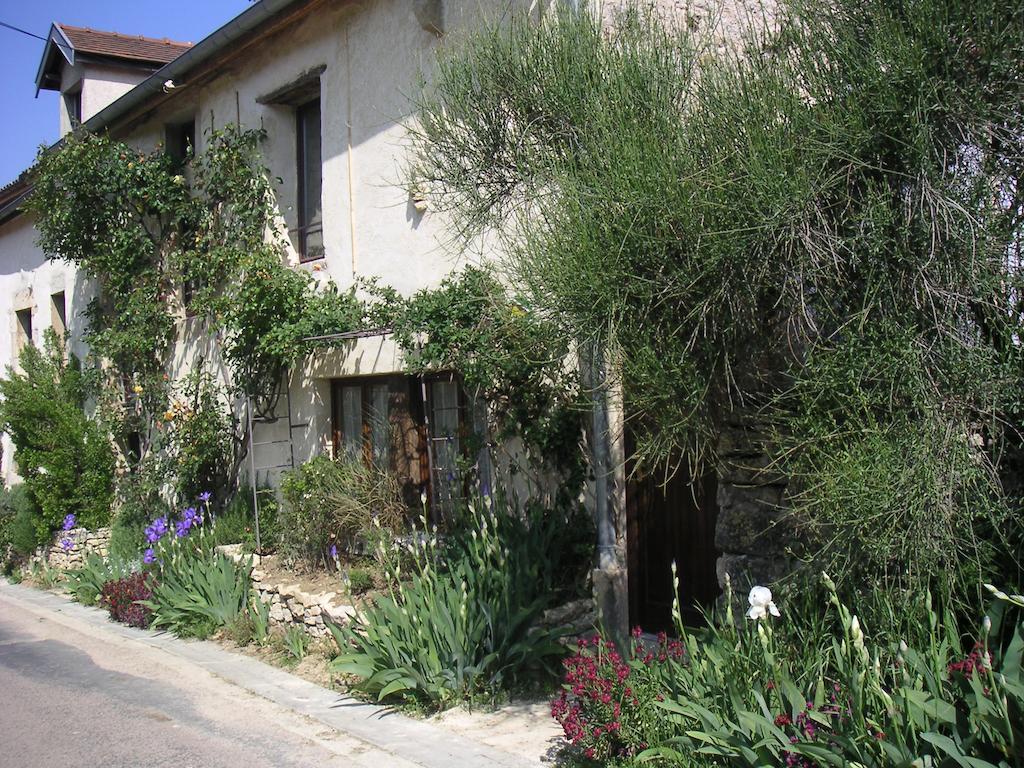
pixel 352 421
pixel 444 443
pixel 24 328
pixel 310 178
pixel 380 425
pixel 180 140
pixel 73 102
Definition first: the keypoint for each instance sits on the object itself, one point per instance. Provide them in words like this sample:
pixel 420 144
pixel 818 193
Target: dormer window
pixel 99 66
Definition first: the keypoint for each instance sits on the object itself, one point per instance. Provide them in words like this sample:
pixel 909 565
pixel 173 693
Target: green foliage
pixel 63 456
pixel 200 441
pixel 259 615
pixel 806 233
pixel 17 523
pixel 86 583
pixel 24 514
pixel 139 500
pixel 359 580
pixel 195 590
pixel 273 309
pixel 114 212
pixel 240 630
pixel 296 643
pixel 236 524
pixel 6 522
pixel 136 225
pixel 329 502
pixel 462 625
pixel 872 706
pixel 507 356
pixel 745 694
pixel 45 576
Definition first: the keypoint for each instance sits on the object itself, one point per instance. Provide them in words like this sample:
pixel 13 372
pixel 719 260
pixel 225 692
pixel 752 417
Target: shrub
pixel 64 457
pixel 24 536
pixel 198 441
pixel 462 625
pixel 6 523
pixel 86 583
pixel 738 229
pixel 330 501
pixel 360 580
pixel 125 599
pixel 138 500
pixel 236 524
pixel 608 709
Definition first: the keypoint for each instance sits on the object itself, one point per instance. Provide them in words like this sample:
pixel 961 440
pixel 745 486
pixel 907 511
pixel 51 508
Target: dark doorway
pixel 671 521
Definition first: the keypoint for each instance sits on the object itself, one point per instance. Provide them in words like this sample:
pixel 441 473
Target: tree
pixel 820 227
pixel 63 456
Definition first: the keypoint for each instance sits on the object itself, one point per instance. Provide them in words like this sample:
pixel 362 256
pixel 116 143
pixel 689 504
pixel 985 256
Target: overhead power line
pixel 24 32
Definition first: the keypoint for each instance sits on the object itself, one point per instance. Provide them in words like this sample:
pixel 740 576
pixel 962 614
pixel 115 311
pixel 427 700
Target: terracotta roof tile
pixel 113 44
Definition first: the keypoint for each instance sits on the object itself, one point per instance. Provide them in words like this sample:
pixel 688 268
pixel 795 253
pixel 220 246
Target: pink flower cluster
pixel 606 698
pixel 978 660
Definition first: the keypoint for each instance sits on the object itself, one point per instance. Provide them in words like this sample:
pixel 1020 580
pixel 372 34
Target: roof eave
pixel 206 49
pixel 56 41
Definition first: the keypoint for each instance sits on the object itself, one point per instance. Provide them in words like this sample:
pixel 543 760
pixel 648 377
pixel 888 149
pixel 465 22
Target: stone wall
pixel 69 548
pixel 752 533
pixel 290 605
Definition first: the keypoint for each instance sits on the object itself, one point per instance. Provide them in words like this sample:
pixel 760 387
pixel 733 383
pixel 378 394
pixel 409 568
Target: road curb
pixel 417 742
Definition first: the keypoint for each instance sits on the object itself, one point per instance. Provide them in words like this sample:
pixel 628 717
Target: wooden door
pixel 671 521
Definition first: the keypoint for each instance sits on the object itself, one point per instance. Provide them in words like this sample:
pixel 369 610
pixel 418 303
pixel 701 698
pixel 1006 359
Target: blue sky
pixel 31 121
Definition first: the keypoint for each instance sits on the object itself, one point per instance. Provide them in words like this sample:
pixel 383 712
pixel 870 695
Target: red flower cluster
pixel 607 707
pixel 120 598
pixel 978 660
pixel 805 729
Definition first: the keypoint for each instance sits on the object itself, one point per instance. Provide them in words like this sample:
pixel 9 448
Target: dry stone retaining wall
pixel 82 542
pixel 291 606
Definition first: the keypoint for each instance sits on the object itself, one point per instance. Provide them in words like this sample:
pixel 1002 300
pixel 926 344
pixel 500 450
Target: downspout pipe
pixel 606 558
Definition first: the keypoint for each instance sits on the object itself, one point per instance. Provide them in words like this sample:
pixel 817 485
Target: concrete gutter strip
pixel 420 743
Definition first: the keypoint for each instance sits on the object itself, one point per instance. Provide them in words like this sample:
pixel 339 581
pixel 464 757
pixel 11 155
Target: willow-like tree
pixel 818 228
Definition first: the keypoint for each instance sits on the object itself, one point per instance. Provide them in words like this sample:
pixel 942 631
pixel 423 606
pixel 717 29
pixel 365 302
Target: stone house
pixel 329 81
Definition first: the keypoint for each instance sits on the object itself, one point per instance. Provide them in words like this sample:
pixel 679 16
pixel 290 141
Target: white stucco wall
pixel 100 86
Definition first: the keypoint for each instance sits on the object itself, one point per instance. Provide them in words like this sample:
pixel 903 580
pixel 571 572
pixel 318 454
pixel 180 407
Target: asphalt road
pixel 70 699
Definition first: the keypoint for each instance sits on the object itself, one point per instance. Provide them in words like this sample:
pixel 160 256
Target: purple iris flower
pixel 156 530
pixel 69 522
pixel 148 556
pixel 205 497
pixel 334 551
pixel 190 514
pixel 66 544
pixel 181 529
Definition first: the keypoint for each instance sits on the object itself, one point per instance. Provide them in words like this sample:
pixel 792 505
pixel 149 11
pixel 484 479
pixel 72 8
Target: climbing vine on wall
pixel 148 232
pixel 506 355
